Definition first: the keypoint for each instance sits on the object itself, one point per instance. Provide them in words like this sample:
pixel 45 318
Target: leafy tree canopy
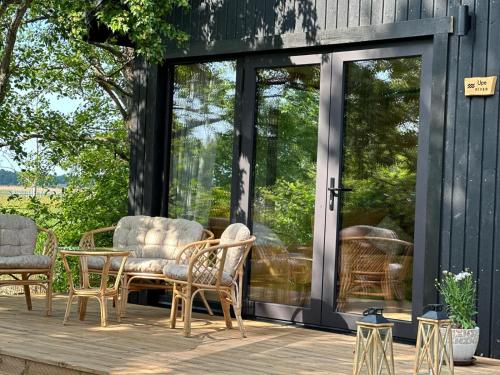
pixel 70 93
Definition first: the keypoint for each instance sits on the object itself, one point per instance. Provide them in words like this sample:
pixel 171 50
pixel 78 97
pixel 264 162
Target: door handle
pixel 334 192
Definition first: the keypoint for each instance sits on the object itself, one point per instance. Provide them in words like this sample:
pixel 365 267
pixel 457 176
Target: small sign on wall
pixel 480 86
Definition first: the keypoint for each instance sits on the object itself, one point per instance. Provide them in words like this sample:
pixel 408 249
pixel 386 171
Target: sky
pixel 63 105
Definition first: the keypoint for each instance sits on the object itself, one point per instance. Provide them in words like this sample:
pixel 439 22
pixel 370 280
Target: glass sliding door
pixel 380 143
pixel 287 113
pixel 202 143
pixel 282 133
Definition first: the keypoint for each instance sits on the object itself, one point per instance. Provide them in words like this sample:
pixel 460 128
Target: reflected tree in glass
pixel 284 183
pixel 202 143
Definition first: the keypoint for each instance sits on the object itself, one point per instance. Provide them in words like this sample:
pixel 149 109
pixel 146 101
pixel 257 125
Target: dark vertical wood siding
pixel 470 199
pixel 470 204
pixel 218 20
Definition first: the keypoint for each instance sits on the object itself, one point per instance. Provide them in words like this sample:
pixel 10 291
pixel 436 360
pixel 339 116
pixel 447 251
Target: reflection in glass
pixel 381 124
pixel 202 143
pixel 284 185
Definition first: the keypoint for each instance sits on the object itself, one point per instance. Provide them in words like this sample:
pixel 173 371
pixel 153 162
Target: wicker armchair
pixel 17 258
pixel 213 265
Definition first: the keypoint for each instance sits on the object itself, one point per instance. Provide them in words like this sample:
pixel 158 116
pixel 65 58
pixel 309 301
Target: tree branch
pixel 10 41
pixel 114 51
pixel 36 19
pixel 121 106
pixel 120 91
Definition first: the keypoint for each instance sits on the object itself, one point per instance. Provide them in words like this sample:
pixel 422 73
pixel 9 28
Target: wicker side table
pixel 101 293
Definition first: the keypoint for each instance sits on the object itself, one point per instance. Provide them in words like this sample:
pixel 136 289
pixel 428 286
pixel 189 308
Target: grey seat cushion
pixel 18 235
pixel 25 261
pixel 145 265
pixel 180 272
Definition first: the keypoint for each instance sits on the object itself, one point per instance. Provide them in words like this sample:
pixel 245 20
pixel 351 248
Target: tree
pixel 46 58
pixel 54 55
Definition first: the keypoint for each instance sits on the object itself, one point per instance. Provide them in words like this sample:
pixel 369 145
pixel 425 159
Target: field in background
pixel 6 190
pixel 23 195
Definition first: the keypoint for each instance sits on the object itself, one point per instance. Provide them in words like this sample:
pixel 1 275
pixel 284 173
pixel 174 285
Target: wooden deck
pixel 31 343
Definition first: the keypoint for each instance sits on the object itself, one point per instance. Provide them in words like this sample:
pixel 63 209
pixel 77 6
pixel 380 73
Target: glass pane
pixel 202 143
pixel 380 163
pixel 285 181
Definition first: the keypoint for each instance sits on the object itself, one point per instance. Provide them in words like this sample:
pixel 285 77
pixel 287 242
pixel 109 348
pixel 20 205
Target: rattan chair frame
pixel 205 271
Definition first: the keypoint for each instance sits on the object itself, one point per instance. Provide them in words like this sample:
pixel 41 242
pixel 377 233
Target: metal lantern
pixel 434 345
pixel 374 355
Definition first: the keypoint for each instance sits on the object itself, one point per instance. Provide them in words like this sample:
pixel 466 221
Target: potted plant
pixel 459 294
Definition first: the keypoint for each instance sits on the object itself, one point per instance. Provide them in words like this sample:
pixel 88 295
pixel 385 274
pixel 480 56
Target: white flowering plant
pixel 459 294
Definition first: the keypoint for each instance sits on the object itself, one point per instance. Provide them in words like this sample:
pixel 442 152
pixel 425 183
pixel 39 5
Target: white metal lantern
pixel 374 354
pixel 434 352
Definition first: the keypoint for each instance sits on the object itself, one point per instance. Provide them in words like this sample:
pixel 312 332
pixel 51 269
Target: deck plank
pixel 143 344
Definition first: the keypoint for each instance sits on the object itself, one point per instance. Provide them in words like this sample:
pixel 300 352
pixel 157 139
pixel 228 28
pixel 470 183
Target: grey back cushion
pixel 17 235
pixel 234 233
pixel 155 237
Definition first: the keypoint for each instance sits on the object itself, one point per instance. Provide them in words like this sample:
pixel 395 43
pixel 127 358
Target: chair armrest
pixel 87 240
pixel 193 248
pixel 207 265
pixel 50 245
pixel 207 235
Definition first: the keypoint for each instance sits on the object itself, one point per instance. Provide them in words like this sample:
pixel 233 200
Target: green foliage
pixel 288 208
pixel 459 294
pixel 38 172
pixel 143 22
pixel 96 196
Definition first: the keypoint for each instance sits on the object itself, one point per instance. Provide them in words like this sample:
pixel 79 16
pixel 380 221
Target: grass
pixel 22 196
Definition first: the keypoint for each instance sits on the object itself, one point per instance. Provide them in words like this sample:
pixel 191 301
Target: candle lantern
pixel 374 355
pixel 434 354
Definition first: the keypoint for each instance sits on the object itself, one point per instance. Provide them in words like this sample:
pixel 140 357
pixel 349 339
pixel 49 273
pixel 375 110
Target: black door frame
pixel 300 314
pixel 347 321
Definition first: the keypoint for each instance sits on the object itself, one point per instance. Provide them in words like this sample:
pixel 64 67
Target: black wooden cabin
pixel 274 108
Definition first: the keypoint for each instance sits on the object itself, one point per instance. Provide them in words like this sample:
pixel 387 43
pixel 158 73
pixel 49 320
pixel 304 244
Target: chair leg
pixel 226 309
pixel 83 307
pixel 27 294
pixel 49 296
pixel 104 311
pixel 236 297
pixel 68 308
pixel 205 302
pixel 124 295
pixel 183 305
pixel 117 304
pixel 174 307
pixel 187 303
